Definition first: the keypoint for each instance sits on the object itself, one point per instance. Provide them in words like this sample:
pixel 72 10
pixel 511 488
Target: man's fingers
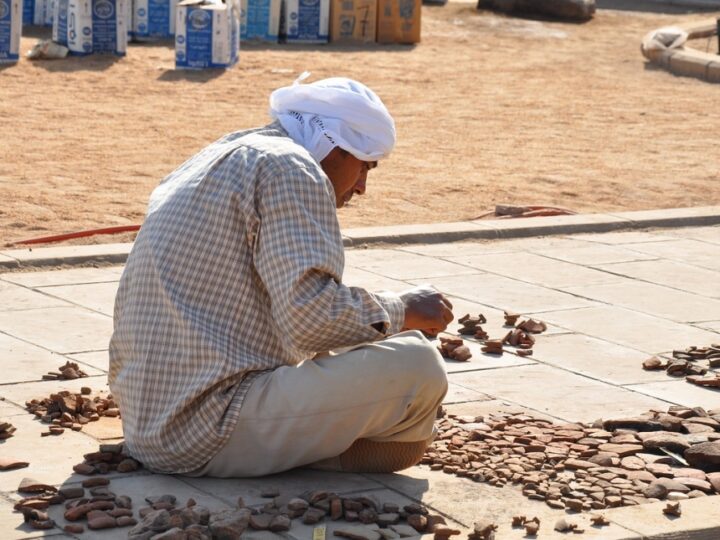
pixel 447 316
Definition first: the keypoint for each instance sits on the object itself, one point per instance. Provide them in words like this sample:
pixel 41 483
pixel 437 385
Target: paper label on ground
pixel 10 29
pixel 307 20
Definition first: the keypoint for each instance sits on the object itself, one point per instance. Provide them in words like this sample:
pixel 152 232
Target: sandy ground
pixel 489 109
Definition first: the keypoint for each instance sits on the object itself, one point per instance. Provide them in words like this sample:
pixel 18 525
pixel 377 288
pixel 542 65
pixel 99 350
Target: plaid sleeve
pixel 394 307
pixel 299 258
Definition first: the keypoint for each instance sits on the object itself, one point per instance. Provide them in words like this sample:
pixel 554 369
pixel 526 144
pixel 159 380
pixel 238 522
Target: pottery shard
pixel 653 363
pixel 95 482
pixel 84 468
pixel 72 492
pixel 73 528
pixel 621 450
pixel 229 524
pixel 704 455
pixel 714 479
pixel 632 463
pixel 102 522
pixel 579 464
pixel 260 522
pixel 8 464
pixel 419 522
pixel 637 423
pixel 127 465
pixel 279 523
pixel 176 533
pixel 695 484
pixel 665 439
pixel 29 485
pixel 358 532
pixel 313 515
pixel 404 531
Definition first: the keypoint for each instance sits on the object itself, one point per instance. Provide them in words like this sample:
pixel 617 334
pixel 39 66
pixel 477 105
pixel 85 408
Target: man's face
pixel 347 174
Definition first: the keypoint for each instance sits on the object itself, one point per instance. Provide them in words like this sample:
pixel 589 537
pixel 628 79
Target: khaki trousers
pixel 387 391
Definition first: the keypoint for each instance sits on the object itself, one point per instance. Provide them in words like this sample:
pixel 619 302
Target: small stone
pixel 102 522
pixel 672 509
pixel 8 463
pixel 74 528
pixel 29 485
pixel 653 363
pixel 532 527
pixel 42 524
pixel 417 522
pixel 563 525
pixel 313 516
pixel 387 518
pixel 127 465
pixel 404 531
pixel 279 523
pixel 84 468
pixel 443 532
pixel 229 524
pixel 260 522
pixel 482 530
pixel 599 520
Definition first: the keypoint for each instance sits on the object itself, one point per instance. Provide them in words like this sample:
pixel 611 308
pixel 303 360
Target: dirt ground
pixel 489 109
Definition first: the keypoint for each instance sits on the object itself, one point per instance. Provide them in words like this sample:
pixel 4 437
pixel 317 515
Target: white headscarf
pixel 335 112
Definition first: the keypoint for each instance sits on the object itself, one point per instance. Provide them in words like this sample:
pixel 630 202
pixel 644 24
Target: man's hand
pixel 426 310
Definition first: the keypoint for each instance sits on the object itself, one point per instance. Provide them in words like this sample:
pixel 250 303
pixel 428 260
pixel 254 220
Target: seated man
pixel 234 289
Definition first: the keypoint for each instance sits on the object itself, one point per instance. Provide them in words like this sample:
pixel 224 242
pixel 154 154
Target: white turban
pixel 335 112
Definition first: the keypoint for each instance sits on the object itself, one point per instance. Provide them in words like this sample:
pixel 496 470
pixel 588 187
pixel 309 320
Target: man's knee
pixel 422 360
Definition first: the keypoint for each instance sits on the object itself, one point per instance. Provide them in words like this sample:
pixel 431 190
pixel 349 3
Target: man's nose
pixel 361 184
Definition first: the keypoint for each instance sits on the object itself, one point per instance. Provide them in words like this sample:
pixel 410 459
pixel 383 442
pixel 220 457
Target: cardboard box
pixel 307 21
pixel 353 21
pixel 28 12
pixel 43 12
pixel 10 30
pixel 207 34
pixel 260 20
pixel 153 19
pixel 91 26
pixel 398 21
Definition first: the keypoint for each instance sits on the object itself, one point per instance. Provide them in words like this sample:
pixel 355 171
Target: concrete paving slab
pixel 105 429
pixel 495 317
pixel 292 482
pixel 403 265
pixel 536 269
pixel 492 406
pixel 462 394
pixel 630 328
pixel 652 299
pixel 97 359
pixel 51 458
pixel 20 393
pixel 703 234
pixel 710 325
pixel 370 281
pixel 60 329
pixel 624 237
pixel 508 294
pixel 700 520
pixel 14 297
pixel 23 362
pixel 496 246
pixel 137 488
pixel 594 254
pixel 98 297
pixel 547 389
pixel 8 409
pixel 679 392
pixel 72 276
pixel 12 526
pixel 468 501
pixel 673 274
pixel 692 252
pixel 595 358
pixel 481 360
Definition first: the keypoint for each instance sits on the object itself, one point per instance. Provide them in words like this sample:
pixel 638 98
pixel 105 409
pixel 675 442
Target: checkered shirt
pixel 236 270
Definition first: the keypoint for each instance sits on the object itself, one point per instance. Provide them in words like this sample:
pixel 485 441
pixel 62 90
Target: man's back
pixel 193 316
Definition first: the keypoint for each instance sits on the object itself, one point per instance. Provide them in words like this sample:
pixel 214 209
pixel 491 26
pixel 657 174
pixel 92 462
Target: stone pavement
pixel 610 301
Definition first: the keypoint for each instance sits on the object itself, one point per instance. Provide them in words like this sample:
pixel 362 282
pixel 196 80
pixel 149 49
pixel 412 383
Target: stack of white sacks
pixel 207 32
